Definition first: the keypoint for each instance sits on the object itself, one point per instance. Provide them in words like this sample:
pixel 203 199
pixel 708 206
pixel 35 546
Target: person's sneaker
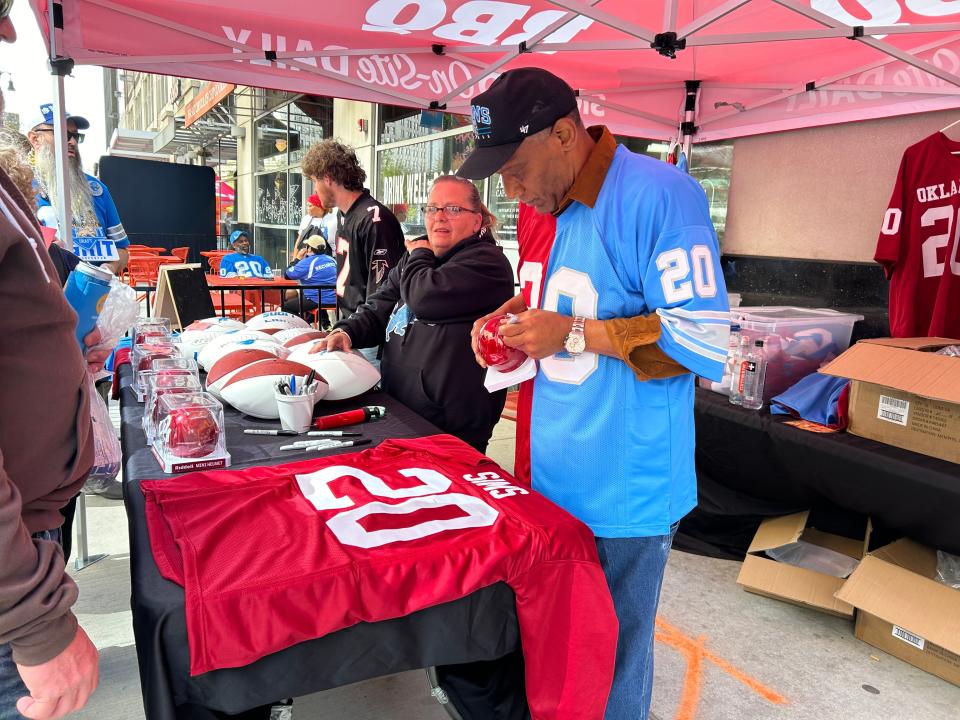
pixel 111 491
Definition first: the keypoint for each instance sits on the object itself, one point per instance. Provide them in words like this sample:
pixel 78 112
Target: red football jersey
pixel 272 556
pixel 535 234
pixel 918 244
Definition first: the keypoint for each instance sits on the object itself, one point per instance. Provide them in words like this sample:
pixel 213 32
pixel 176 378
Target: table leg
pixel 84 559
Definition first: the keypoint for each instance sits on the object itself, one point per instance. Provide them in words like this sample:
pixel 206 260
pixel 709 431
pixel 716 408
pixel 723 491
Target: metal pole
pixel 84 559
pixel 59 67
pixel 689 127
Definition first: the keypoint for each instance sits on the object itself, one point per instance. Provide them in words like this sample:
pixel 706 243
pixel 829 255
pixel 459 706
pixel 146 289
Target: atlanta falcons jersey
pixel 369 243
pixel 646 246
pixel 918 244
pixel 272 556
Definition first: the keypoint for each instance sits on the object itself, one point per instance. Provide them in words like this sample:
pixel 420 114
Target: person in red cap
pixel 318 221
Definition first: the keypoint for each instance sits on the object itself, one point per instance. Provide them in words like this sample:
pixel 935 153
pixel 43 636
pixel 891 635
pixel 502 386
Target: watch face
pixel 575 344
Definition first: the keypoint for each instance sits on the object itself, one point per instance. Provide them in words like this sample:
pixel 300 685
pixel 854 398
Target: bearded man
pixel 98 234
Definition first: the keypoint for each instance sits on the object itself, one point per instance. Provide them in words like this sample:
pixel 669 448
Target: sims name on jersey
pixel 495 485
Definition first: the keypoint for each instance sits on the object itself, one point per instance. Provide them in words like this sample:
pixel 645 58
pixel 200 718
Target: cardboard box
pixel 765 576
pixel 903 394
pixel 904 611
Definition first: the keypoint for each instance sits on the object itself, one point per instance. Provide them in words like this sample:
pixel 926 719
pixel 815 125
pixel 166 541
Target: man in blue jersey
pixel 312 265
pixel 98 234
pixel 626 303
pixel 241 263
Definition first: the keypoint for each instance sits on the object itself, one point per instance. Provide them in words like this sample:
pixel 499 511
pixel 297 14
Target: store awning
pixel 758 65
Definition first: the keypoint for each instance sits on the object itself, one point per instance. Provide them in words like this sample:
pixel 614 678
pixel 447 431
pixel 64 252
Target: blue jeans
pixel 634 570
pixel 11 686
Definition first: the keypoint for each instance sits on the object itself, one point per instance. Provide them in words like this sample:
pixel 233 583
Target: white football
pixel 276 319
pixel 215 322
pixel 231 363
pixel 211 352
pixel 348 374
pixel 252 389
pixel 297 336
pixel 300 353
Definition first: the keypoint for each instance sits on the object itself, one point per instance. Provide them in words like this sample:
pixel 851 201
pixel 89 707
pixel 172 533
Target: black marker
pixel 251 431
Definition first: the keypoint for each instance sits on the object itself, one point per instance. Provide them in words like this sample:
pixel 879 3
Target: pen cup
pixel 296 411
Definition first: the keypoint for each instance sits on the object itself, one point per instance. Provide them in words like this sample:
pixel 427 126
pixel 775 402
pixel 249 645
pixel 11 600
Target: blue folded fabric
pixel 814 398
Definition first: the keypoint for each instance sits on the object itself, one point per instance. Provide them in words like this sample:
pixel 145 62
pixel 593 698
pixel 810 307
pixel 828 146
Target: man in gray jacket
pixel 48 665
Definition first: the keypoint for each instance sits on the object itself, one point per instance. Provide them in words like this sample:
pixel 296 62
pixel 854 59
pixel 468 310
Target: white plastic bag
pixel 106 444
pixel 120 311
pixel 948 569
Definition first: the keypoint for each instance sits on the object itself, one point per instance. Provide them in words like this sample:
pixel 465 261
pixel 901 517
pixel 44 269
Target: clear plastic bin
pixel 797 341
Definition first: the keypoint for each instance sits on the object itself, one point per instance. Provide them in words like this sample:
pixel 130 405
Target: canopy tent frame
pixel 672 39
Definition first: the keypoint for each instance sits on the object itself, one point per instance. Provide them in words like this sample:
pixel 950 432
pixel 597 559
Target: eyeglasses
pixel 451 210
pixel 5 7
pixel 71 135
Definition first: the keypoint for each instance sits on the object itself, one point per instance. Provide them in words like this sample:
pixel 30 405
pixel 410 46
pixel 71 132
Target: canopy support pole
pixel 688 127
pixel 59 67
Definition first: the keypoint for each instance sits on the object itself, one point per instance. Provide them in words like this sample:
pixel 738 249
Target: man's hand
pixel 97 354
pixel 62 685
pixel 299 254
pixel 515 305
pixel 337 340
pixel 539 333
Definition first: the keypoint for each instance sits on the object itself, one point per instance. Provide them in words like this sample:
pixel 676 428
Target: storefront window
pixel 272 243
pixel 272 140
pixel 400 123
pixel 311 120
pixel 406 172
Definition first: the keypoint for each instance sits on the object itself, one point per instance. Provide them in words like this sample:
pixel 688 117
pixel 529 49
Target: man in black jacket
pixel 426 308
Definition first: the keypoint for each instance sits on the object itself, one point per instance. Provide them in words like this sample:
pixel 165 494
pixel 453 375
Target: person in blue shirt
pixel 312 265
pixel 98 234
pixel 241 263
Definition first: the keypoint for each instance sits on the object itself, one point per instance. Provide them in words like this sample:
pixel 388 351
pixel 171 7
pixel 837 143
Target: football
pixel 303 335
pixel 301 353
pixel 191 431
pixel 252 389
pixel 230 363
pixel 223 323
pixel 213 350
pixel 348 374
pixel 277 319
pixel 495 353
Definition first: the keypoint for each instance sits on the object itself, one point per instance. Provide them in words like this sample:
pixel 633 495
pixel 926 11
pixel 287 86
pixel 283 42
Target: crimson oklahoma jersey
pixel 918 244
pixel 272 556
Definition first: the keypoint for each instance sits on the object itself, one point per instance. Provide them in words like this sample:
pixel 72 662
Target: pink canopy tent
pixel 699 70
pixel 758 65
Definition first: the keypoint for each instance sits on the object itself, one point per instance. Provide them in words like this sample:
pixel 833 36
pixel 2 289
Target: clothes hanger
pixel 942 130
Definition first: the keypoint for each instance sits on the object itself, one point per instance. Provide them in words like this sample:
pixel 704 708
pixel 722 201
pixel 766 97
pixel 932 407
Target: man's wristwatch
pixel 575 343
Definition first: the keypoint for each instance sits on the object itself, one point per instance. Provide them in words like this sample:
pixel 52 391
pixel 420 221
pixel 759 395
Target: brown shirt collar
pixel 586 186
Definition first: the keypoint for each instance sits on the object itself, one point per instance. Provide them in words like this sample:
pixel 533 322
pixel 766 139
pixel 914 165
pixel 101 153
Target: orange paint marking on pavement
pixel 695 652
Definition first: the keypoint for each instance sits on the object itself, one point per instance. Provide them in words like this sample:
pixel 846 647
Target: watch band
pixel 575 342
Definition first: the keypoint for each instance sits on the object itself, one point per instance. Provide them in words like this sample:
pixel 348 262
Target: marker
pixel 351 417
pixel 336 446
pixel 333 433
pixel 308 385
pixel 302 444
pixel 293 384
pixel 258 431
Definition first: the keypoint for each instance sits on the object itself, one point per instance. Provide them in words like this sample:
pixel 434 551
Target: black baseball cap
pixel 518 104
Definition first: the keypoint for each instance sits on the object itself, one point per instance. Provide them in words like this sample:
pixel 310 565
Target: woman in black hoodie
pixel 425 311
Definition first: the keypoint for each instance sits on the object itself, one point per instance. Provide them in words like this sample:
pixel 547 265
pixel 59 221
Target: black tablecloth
pixel 751 465
pixel 481 626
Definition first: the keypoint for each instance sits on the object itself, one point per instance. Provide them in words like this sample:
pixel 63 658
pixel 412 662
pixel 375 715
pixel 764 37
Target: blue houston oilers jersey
pixel 614 451
pixel 245 266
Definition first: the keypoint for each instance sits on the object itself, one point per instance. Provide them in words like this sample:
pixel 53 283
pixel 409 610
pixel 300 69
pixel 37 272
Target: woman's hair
pixel 14 149
pixel 488 221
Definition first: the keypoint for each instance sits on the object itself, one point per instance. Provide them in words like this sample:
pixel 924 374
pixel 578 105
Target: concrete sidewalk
pixel 722 653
